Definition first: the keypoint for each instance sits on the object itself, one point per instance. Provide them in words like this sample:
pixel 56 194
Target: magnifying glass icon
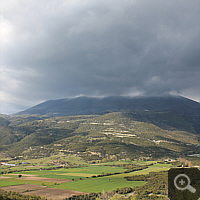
pixel 182 182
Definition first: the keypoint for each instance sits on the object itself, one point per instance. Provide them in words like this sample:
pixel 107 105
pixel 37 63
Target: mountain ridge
pixel 92 105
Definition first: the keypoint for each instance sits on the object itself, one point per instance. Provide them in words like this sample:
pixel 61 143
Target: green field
pixel 99 184
pixel 14 181
pixel 138 162
pixel 82 176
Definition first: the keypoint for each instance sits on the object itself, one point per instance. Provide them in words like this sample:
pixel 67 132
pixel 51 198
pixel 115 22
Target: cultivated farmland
pixel 65 182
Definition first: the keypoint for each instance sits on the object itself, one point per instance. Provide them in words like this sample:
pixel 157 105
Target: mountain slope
pixel 117 134
pixel 90 105
pixel 4 122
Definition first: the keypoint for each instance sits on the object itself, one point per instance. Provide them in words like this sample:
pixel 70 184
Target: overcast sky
pixel 66 48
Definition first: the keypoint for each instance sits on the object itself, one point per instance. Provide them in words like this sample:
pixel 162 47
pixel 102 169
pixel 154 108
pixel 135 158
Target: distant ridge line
pixel 91 105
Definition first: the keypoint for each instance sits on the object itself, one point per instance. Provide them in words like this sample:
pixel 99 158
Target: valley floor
pixel 63 183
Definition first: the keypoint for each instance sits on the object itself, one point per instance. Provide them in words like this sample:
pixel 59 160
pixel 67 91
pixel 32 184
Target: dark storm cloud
pixel 67 48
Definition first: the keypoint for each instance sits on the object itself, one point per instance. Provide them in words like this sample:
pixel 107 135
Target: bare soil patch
pixel 49 193
pixel 4 177
pixel 36 178
pixel 56 194
pixel 23 188
pixel 24 174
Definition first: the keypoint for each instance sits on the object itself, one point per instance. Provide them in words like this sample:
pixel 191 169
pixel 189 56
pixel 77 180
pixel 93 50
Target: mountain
pixel 91 105
pixel 111 126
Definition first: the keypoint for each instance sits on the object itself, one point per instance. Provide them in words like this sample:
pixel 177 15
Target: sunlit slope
pixel 115 135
